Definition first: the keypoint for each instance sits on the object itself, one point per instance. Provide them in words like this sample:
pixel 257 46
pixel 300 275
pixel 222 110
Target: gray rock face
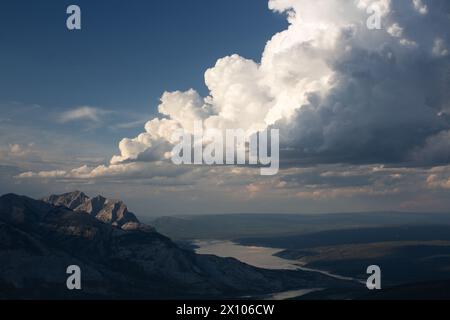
pixel 39 240
pixel 70 200
pixel 113 212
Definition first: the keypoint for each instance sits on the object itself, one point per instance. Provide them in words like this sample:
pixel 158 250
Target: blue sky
pixel 127 53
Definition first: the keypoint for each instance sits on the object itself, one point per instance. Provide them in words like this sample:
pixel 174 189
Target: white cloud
pixel 44 174
pixel 440 48
pixel 83 113
pixel 119 172
pixel 395 30
pixel 420 7
pixel 16 149
pixel 129 124
pixel 435 181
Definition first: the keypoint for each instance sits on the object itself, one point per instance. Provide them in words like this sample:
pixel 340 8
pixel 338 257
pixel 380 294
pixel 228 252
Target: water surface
pixel 260 257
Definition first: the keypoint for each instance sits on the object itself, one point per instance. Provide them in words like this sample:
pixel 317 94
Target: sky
pixel 125 56
pixel 363 113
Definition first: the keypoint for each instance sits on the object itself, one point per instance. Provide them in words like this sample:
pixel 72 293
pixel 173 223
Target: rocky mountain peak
pixel 70 200
pixel 110 211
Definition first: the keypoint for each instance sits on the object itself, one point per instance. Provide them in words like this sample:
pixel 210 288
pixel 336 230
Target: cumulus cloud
pixel 338 91
pixel 435 181
pixel 420 6
pixel 384 96
pixel 440 48
pixel 439 178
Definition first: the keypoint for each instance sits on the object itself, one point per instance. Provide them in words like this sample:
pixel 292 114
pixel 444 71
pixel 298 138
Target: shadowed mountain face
pixel 119 257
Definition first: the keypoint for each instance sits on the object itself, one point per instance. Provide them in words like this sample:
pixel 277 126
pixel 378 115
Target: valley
pixel 409 251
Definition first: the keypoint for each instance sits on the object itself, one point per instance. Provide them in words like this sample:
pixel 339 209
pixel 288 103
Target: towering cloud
pixel 342 91
pixel 386 94
pixel 339 91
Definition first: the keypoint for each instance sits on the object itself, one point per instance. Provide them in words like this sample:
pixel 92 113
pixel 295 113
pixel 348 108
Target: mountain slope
pixel 39 240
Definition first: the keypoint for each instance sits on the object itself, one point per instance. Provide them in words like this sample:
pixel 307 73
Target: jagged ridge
pixel 113 212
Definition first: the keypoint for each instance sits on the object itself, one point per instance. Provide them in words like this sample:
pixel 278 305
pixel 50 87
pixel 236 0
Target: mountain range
pixel 120 257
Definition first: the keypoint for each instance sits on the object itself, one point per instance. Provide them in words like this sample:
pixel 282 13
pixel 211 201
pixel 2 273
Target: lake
pixel 260 257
